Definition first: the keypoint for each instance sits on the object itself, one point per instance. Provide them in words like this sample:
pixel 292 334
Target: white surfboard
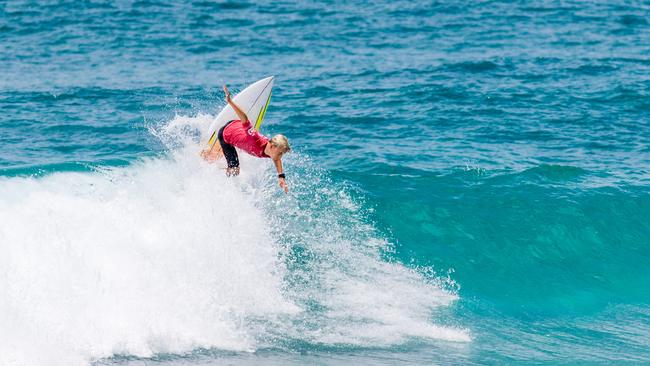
pixel 253 101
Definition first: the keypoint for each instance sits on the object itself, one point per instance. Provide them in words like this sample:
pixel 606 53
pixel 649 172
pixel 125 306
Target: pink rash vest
pixel 244 136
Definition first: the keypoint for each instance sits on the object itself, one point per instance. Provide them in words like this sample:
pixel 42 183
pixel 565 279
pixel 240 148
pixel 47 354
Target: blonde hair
pixel 280 141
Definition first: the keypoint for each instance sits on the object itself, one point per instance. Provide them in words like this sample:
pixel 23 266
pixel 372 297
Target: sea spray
pixel 135 261
pixel 168 255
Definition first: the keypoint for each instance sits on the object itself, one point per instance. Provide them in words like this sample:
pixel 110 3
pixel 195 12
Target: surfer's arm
pixel 242 116
pixel 281 181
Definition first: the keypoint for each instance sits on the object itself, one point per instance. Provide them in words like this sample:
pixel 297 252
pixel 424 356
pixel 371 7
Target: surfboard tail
pixel 212 139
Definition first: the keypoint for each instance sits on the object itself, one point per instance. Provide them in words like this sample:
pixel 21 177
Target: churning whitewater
pixel 168 255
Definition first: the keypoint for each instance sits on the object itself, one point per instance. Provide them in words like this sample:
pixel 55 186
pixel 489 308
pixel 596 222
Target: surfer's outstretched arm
pixel 242 116
pixel 281 180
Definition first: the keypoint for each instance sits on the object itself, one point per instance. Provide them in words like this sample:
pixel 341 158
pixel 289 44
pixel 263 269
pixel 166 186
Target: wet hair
pixel 280 141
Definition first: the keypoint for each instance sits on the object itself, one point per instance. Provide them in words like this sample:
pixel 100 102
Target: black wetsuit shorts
pixel 229 151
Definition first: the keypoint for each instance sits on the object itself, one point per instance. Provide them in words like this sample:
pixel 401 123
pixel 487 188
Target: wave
pixel 167 255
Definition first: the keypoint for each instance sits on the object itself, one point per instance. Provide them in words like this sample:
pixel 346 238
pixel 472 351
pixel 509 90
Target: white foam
pixel 168 255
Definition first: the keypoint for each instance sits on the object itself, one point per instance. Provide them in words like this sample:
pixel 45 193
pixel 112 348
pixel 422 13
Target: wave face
pixel 169 256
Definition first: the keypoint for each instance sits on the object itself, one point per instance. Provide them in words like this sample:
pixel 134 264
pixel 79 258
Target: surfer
pixel 241 134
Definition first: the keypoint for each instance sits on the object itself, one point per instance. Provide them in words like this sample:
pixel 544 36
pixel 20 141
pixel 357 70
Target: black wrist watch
pixel 281 175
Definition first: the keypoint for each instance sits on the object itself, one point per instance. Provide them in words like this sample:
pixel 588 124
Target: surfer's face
pixel 275 152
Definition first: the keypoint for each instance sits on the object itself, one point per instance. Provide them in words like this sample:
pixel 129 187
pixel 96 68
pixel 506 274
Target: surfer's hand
pixel 283 185
pixel 225 90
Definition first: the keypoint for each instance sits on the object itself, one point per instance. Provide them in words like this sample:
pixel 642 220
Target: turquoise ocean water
pixel 470 184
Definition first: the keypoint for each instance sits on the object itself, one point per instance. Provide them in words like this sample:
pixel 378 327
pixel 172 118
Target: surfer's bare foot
pixel 232 171
pixel 205 154
pixel 211 155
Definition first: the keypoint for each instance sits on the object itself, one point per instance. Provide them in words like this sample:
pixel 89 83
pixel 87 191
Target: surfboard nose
pixel 269 81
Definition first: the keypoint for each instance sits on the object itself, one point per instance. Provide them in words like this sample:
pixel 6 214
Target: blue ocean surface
pixel 469 183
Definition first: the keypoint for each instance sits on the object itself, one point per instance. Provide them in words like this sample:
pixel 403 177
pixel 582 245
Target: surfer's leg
pixel 215 151
pixel 230 153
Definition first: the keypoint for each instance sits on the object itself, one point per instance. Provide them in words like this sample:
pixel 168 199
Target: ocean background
pixel 469 184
